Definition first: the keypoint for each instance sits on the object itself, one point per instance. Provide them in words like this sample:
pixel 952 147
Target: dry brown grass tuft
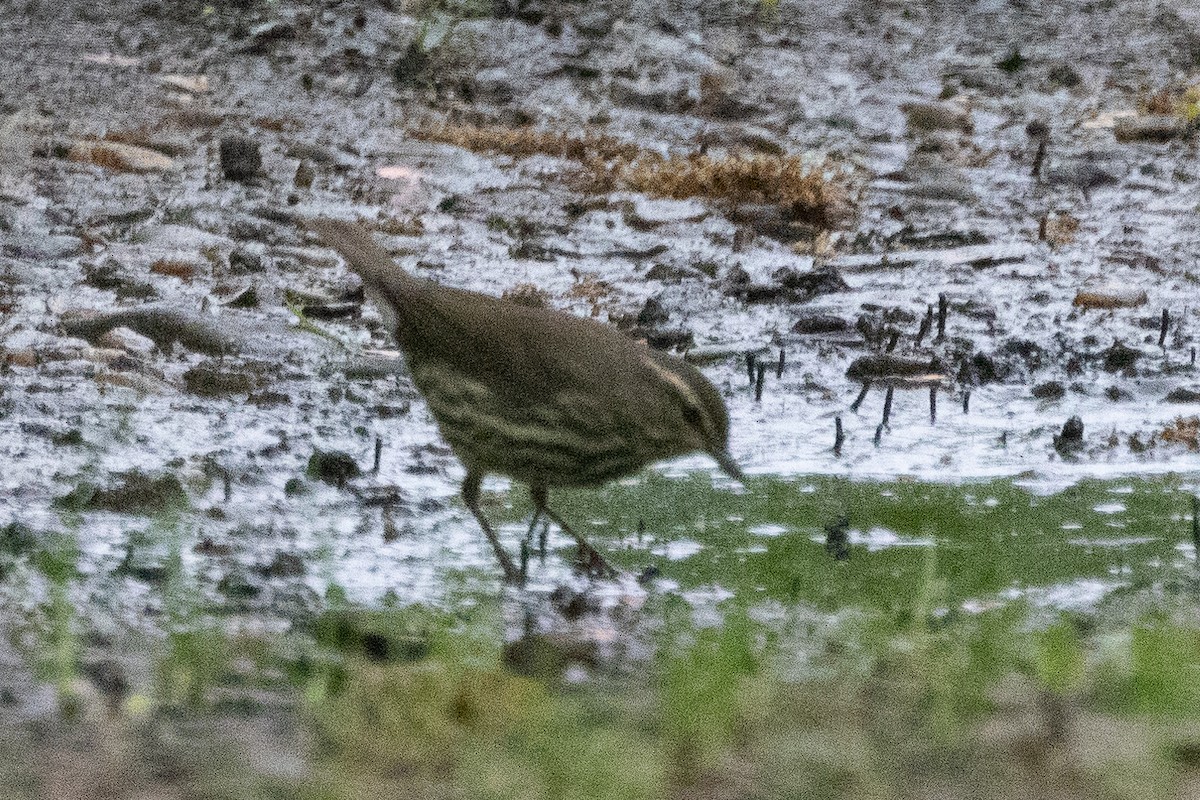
pixel 1183 430
pixel 805 190
pixel 527 141
pixel 800 188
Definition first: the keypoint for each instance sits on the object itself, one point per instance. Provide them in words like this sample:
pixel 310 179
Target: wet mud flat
pixel 192 390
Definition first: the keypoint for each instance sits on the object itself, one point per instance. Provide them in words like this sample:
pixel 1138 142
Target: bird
pixel 539 395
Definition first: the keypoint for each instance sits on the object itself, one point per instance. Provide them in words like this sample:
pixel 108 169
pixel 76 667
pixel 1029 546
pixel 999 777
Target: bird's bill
pixel 729 466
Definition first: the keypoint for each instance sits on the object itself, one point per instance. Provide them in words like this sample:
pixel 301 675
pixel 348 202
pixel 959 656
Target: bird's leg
pixel 589 557
pixel 470 496
pixel 527 542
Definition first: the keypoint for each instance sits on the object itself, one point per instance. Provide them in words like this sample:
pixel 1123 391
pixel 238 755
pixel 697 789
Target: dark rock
pixel 1120 358
pixel 1116 394
pixel 133 492
pixel 236 585
pixel 887 366
pixel 207 380
pixel 818 281
pixel 409 69
pixel 304 177
pixel 332 467
pixel 736 279
pixel 926 116
pixel 672 273
pixel 1085 174
pixel 1064 76
pixel 1150 128
pixel 572 604
pixel 532 12
pixel 595 22
pixel 284 565
pixel 241 159
pixel 790 285
pixel 988 369
pixel 246 298
pixel 1182 395
pixel 820 323
pixel 109 677
pixel 1051 390
pixel 668 338
pixel 1071 438
pixel 495 85
pixel 112 276
pixel 16 538
pixel 380 635
pixel 652 314
pixel 1029 352
pixel 242 261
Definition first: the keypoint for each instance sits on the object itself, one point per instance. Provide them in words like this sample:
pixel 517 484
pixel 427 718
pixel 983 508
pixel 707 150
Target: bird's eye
pixel 693 417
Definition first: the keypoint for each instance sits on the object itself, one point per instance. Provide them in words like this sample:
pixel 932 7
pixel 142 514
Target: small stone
pixel 333 467
pixel 1120 357
pixel 242 261
pixel 1070 440
pixel 820 323
pixel 652 313
pixel 937 116
pixel 495 85
pixel 1114 393
pixel 1182 395
pixel 409 69
pixel 210 381
pixel 285 565
pixel 241 158
pixel 304 176
pixel 1051 390
pixel 1150 128
pixel 132 492
pixel 1064 76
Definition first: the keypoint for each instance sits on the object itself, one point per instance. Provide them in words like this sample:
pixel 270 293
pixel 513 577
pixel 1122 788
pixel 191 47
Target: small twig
pixel 943 309
pixel 926 325
pixel 858 401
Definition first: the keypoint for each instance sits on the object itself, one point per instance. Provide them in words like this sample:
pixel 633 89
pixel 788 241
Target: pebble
pixel 241 158
pixel 120 157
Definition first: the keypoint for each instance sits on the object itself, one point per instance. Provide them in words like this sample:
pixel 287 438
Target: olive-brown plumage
pixel 538 395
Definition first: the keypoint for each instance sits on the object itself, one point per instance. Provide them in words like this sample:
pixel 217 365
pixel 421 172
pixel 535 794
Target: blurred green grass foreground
pixel 978 641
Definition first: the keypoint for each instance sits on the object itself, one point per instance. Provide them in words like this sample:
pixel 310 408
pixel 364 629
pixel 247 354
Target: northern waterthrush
pixel 544 397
